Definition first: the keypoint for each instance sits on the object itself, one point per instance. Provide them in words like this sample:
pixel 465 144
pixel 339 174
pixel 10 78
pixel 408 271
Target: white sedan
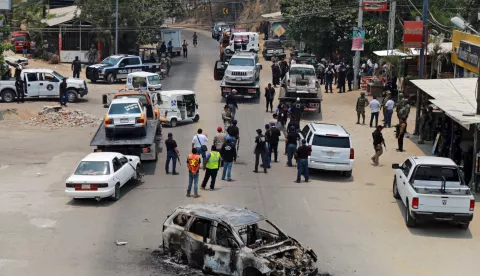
pixel 101 174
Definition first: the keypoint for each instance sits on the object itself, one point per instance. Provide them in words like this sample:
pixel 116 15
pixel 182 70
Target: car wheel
pixel 347 173
pixel 111 78
pixel 395 189
pixel 137 174
pixel 72 96
pixel 196 118
pixel 409 220
pixel 464 226
pixel 173 122
pixel 116 195
pixel 8 95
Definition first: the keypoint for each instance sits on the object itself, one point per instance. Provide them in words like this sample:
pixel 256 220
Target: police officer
pixel 362 102
pixel 76 67
pixel 297 110
pixel 260 150
pixel 329 74
pixel 172 153
pixel 342 74
pixel 19 85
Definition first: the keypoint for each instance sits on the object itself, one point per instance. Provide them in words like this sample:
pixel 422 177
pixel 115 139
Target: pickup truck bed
pixel 243 91
pixel 131 145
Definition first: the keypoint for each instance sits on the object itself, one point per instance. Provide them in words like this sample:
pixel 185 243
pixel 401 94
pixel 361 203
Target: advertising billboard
pixel 412 34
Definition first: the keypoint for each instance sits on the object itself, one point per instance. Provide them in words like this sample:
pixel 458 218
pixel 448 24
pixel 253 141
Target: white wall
pixel 69 56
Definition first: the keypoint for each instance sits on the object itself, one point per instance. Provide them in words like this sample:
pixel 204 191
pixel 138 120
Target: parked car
pixel 102 174
pixel 227 240
pixel 125 115
pixel 432 188
pixel 331 146
pixel 273 48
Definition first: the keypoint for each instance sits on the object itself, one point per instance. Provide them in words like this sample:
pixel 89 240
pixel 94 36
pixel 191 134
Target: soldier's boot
pixel 358 118
pixel 363 117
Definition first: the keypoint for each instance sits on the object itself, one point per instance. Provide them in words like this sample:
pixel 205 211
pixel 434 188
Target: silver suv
pixel 243 69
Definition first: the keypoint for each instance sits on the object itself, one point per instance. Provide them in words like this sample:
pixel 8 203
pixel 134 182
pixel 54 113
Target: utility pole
pixel 116 27
pixel 356 67
pixel 422 61
pixel 391 26
pixel 211 14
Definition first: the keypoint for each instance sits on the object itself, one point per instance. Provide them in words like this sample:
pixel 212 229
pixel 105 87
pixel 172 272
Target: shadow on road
pixel 329 176
pixel 436 229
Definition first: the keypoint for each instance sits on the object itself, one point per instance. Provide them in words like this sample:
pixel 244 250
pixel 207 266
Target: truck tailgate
pixel 459 204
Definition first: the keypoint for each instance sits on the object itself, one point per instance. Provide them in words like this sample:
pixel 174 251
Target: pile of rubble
pixel 55 116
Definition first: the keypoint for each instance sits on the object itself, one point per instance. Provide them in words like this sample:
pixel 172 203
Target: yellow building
pixel 465 54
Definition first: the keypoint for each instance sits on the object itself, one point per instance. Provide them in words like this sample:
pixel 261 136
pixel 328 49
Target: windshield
pixel 154 80
pixel 260 234
pixel 93 168
pixel 111 60
pixel 241 62
pixel 272 44
pixel 56 74
pixel 19 38
pixel 124 108
pixel 141 97
pixel 432 173
pixel 301 70
pixel 331 141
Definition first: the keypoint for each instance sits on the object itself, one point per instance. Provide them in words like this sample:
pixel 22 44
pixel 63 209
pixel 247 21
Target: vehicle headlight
pixel 102 71
pixel 228 72
pixel 250 73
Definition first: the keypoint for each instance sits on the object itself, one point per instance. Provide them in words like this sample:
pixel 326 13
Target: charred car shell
pixel 228 240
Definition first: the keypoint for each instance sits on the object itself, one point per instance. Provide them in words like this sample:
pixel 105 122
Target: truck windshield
pixel 19 38
pixel 93 168
pixel 124 108
pixel 241 62
pixel 301 70
pixel 111 60
pixel 331 141
pixel 154 80
pixel 272 44
pixel 436 173
pixel 56 74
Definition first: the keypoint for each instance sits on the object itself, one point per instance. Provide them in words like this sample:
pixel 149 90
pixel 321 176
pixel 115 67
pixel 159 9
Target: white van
pixel 143 81
pixel 243 42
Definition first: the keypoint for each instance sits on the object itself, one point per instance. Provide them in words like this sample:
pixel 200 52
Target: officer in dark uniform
pixel 76 67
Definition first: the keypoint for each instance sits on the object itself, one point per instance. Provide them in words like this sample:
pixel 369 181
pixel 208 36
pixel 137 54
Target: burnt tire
pixel 396 195
pixel 8 95
pixel 72 96
pixel 250 271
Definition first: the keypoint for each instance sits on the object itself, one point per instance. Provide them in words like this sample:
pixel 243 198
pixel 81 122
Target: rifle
pixel 178 158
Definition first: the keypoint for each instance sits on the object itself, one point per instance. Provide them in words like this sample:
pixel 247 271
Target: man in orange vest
pixel 193 163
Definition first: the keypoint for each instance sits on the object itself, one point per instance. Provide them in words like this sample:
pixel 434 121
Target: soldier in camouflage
pixel 387 97
pixel 362 102
pixel 421 125
pixel 399 105
pixel 429 124
pixel 405 111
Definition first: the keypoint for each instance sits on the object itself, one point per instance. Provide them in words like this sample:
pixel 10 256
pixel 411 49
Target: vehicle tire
pixel 347 173
pixel 409 220
pixel 72 96
pixel 116 195
pixel 464 226
pixel 111 78
pixel 137 176
pixel 108 133
pixel 396 195
pixel 250 271
pixel 8 95
pixel 173 122
pixel 196 118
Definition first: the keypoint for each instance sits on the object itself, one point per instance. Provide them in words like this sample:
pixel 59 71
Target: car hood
pixel 76 82
pixel 241 68
pixel 100 66
pixel 88 179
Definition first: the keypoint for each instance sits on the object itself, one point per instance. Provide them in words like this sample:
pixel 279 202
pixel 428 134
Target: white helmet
pixel 234 90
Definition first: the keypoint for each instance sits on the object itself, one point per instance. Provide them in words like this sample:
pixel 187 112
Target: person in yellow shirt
pixel 211 166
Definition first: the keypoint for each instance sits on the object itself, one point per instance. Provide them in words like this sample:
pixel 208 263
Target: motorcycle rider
pixel 195 39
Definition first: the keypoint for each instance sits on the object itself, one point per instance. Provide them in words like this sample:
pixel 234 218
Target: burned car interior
pixel 259 234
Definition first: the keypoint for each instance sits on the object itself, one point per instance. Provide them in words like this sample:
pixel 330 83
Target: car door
pixel 402 178
pixel 117 171
pixel 221 252
pixel 192 241
pixel 134 64
pixel 219 70
pixel 49 85
pixel 32 84
pixel 127 169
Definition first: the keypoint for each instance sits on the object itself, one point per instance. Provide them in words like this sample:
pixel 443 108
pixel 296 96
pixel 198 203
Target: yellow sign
pixel 279 30
pixel 456 39
pixel 225 10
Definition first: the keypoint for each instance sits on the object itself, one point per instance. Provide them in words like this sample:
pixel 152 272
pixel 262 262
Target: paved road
pixel 354 225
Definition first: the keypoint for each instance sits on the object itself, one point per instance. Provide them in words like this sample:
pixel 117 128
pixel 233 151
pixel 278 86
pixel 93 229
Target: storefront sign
pixel 358 39
pixel 469 53
pixel 374 6
pixel 412 34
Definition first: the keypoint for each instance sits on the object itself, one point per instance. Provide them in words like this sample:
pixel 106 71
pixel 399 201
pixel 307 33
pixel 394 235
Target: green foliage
pixel 29 14
pixel 4 45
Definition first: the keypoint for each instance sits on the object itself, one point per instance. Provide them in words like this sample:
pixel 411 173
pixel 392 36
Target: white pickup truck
pixel 432 188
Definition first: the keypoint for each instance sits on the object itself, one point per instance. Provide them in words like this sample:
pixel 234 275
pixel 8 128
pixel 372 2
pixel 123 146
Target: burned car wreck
pixel 222 239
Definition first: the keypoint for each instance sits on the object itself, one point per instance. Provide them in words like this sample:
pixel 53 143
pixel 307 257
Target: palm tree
pixel 437 54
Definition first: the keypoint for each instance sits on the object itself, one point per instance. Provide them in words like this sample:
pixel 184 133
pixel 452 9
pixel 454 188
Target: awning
pixel 62 15
pixel 456 97
pixel 445 47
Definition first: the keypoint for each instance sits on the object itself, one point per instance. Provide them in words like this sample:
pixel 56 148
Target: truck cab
pixel 433 189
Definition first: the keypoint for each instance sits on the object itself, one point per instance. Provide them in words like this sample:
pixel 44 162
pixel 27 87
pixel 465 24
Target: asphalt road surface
pixel 354 224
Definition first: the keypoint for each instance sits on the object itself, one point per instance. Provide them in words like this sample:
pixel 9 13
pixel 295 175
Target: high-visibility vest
pixel 213 160
pixel 193 163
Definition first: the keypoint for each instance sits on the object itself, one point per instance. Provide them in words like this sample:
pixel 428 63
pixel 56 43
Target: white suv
pixel 331 147
pixel 125 115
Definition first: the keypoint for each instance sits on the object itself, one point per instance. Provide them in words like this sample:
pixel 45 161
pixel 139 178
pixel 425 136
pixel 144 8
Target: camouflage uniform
pixel 429 124
pixel 362 102
pixel 387 97
pixel 399 105
pixel 405 111
pixel 421 126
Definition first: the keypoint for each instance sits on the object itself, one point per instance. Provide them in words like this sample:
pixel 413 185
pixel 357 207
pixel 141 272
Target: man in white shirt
pixel 198 142
pixel 374 108
pixel 389 105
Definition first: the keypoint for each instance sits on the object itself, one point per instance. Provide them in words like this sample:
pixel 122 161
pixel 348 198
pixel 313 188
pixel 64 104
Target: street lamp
pixel 460 23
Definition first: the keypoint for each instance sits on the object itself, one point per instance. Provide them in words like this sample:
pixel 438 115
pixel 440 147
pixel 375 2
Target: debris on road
pixel 55 116
pixel 120 243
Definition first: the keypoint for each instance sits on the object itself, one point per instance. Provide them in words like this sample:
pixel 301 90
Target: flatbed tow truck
pixel 243 91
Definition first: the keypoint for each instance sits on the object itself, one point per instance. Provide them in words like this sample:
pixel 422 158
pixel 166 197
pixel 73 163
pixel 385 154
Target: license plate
pixel 314 104
pixel 123 120
pixel 238 79
pixel 330 153
pixel 85 186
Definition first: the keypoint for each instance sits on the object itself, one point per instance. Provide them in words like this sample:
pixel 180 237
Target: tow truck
pixel 146 147
pixel 301 82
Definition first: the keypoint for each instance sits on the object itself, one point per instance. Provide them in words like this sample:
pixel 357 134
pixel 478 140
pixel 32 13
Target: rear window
pixel 124 108
pixel 331 141
pixel 273 44
pixel 429 173
pixel 93 168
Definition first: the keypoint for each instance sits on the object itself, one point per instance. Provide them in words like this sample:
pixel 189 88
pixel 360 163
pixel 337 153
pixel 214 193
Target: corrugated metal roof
pixel 62 15
pixel 445 47
pixel 454 96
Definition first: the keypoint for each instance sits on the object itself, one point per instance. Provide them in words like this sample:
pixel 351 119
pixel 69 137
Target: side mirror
pixel 259 66
pixel 395 166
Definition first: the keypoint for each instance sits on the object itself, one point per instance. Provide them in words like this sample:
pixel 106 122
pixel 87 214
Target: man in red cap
pixel 219 139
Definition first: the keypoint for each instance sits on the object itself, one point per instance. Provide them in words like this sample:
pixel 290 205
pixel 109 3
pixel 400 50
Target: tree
pixel 28 14
pixel 4 45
